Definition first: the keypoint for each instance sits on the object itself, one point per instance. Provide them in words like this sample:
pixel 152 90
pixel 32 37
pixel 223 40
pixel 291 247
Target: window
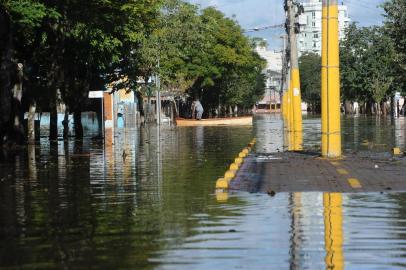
pixel 314 24
pixel 314 44
pixel 313 15
pixel 316 35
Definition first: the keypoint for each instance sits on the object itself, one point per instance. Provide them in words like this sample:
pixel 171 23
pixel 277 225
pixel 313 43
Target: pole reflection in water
pixel 159 159
pixel 334 235
pixel 32 163
pixel 109 150
pixel 296 230
pixel 221 196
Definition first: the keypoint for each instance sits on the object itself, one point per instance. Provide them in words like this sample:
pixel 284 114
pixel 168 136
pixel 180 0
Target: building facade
pixel 274 76
pixel 310 36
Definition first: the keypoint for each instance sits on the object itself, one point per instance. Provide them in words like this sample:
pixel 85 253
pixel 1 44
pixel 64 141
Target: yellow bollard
pixel 222 184
pixel 242 155
pixel 234 166
pixel 229 175
pixel 245 150
pixel 238 161
pixel 330 77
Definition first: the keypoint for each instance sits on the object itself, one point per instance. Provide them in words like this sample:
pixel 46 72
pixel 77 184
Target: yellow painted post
pixel 330 77
pixel 333 230
pixel 297 110
pixel 291 120
pixel 295 80
pixel 289 104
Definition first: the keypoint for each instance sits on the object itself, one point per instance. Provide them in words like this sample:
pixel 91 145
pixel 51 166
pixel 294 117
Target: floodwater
pixel 149 202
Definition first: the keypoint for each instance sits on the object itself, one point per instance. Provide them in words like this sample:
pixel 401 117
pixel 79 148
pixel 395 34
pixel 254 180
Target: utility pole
pixel 296 99
pixel 286 96
pixel 330 82
pixel 283 75
pixel 284 72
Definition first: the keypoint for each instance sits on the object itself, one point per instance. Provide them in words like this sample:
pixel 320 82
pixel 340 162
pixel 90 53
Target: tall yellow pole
pixel 333 230
pixel 291 118
pixel 295 79
pixel 330 77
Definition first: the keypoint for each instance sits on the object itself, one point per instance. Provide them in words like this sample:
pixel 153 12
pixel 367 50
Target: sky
pixel 259 13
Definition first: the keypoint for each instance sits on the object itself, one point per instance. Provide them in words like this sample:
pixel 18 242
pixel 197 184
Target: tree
pixel 368 67
pixel 310 80
pixel 57 51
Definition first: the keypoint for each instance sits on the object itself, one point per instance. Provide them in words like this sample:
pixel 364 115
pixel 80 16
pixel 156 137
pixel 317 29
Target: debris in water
pixel 271 193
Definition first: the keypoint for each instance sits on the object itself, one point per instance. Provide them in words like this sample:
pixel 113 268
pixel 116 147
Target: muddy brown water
pixel 148 202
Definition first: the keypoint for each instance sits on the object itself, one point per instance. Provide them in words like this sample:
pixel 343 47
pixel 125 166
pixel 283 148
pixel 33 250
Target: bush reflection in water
pixel 148 202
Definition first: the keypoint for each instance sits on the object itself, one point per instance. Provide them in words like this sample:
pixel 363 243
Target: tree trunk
pixel 403 110
pixel 18 113
pixel 65 123
pixel 53 121
pixel 149 111
pixel 6 74
pixel 31 122
pixel 32 163
pixel 369 108
pixel 77 119
pixel 383 108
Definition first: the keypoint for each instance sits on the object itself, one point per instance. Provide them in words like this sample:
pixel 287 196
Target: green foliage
pixel 71 47
pixel 368 64
pixel 310 79
pixel 204 54
pixel 395 26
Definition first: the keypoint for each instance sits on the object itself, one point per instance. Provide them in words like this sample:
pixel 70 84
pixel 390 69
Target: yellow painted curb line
pixel 354 183
pixel 342 171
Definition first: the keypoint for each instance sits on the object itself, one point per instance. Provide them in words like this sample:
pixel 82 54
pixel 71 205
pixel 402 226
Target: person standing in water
pixel 197 109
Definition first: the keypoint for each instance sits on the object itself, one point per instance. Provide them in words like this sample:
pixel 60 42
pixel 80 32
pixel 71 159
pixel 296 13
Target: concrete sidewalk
pixel 308 172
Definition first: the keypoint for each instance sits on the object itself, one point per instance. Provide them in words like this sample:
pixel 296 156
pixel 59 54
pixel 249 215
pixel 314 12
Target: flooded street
pixel 149 202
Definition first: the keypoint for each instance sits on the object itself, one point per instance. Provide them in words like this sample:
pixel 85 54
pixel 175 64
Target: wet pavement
pixel 308 172
pixel 149 202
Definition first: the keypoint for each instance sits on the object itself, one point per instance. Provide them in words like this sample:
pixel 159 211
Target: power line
pixel 256 29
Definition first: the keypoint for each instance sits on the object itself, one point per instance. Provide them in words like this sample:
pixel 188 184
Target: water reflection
pixel 147 201
pixel 333 230
pixel 270 133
